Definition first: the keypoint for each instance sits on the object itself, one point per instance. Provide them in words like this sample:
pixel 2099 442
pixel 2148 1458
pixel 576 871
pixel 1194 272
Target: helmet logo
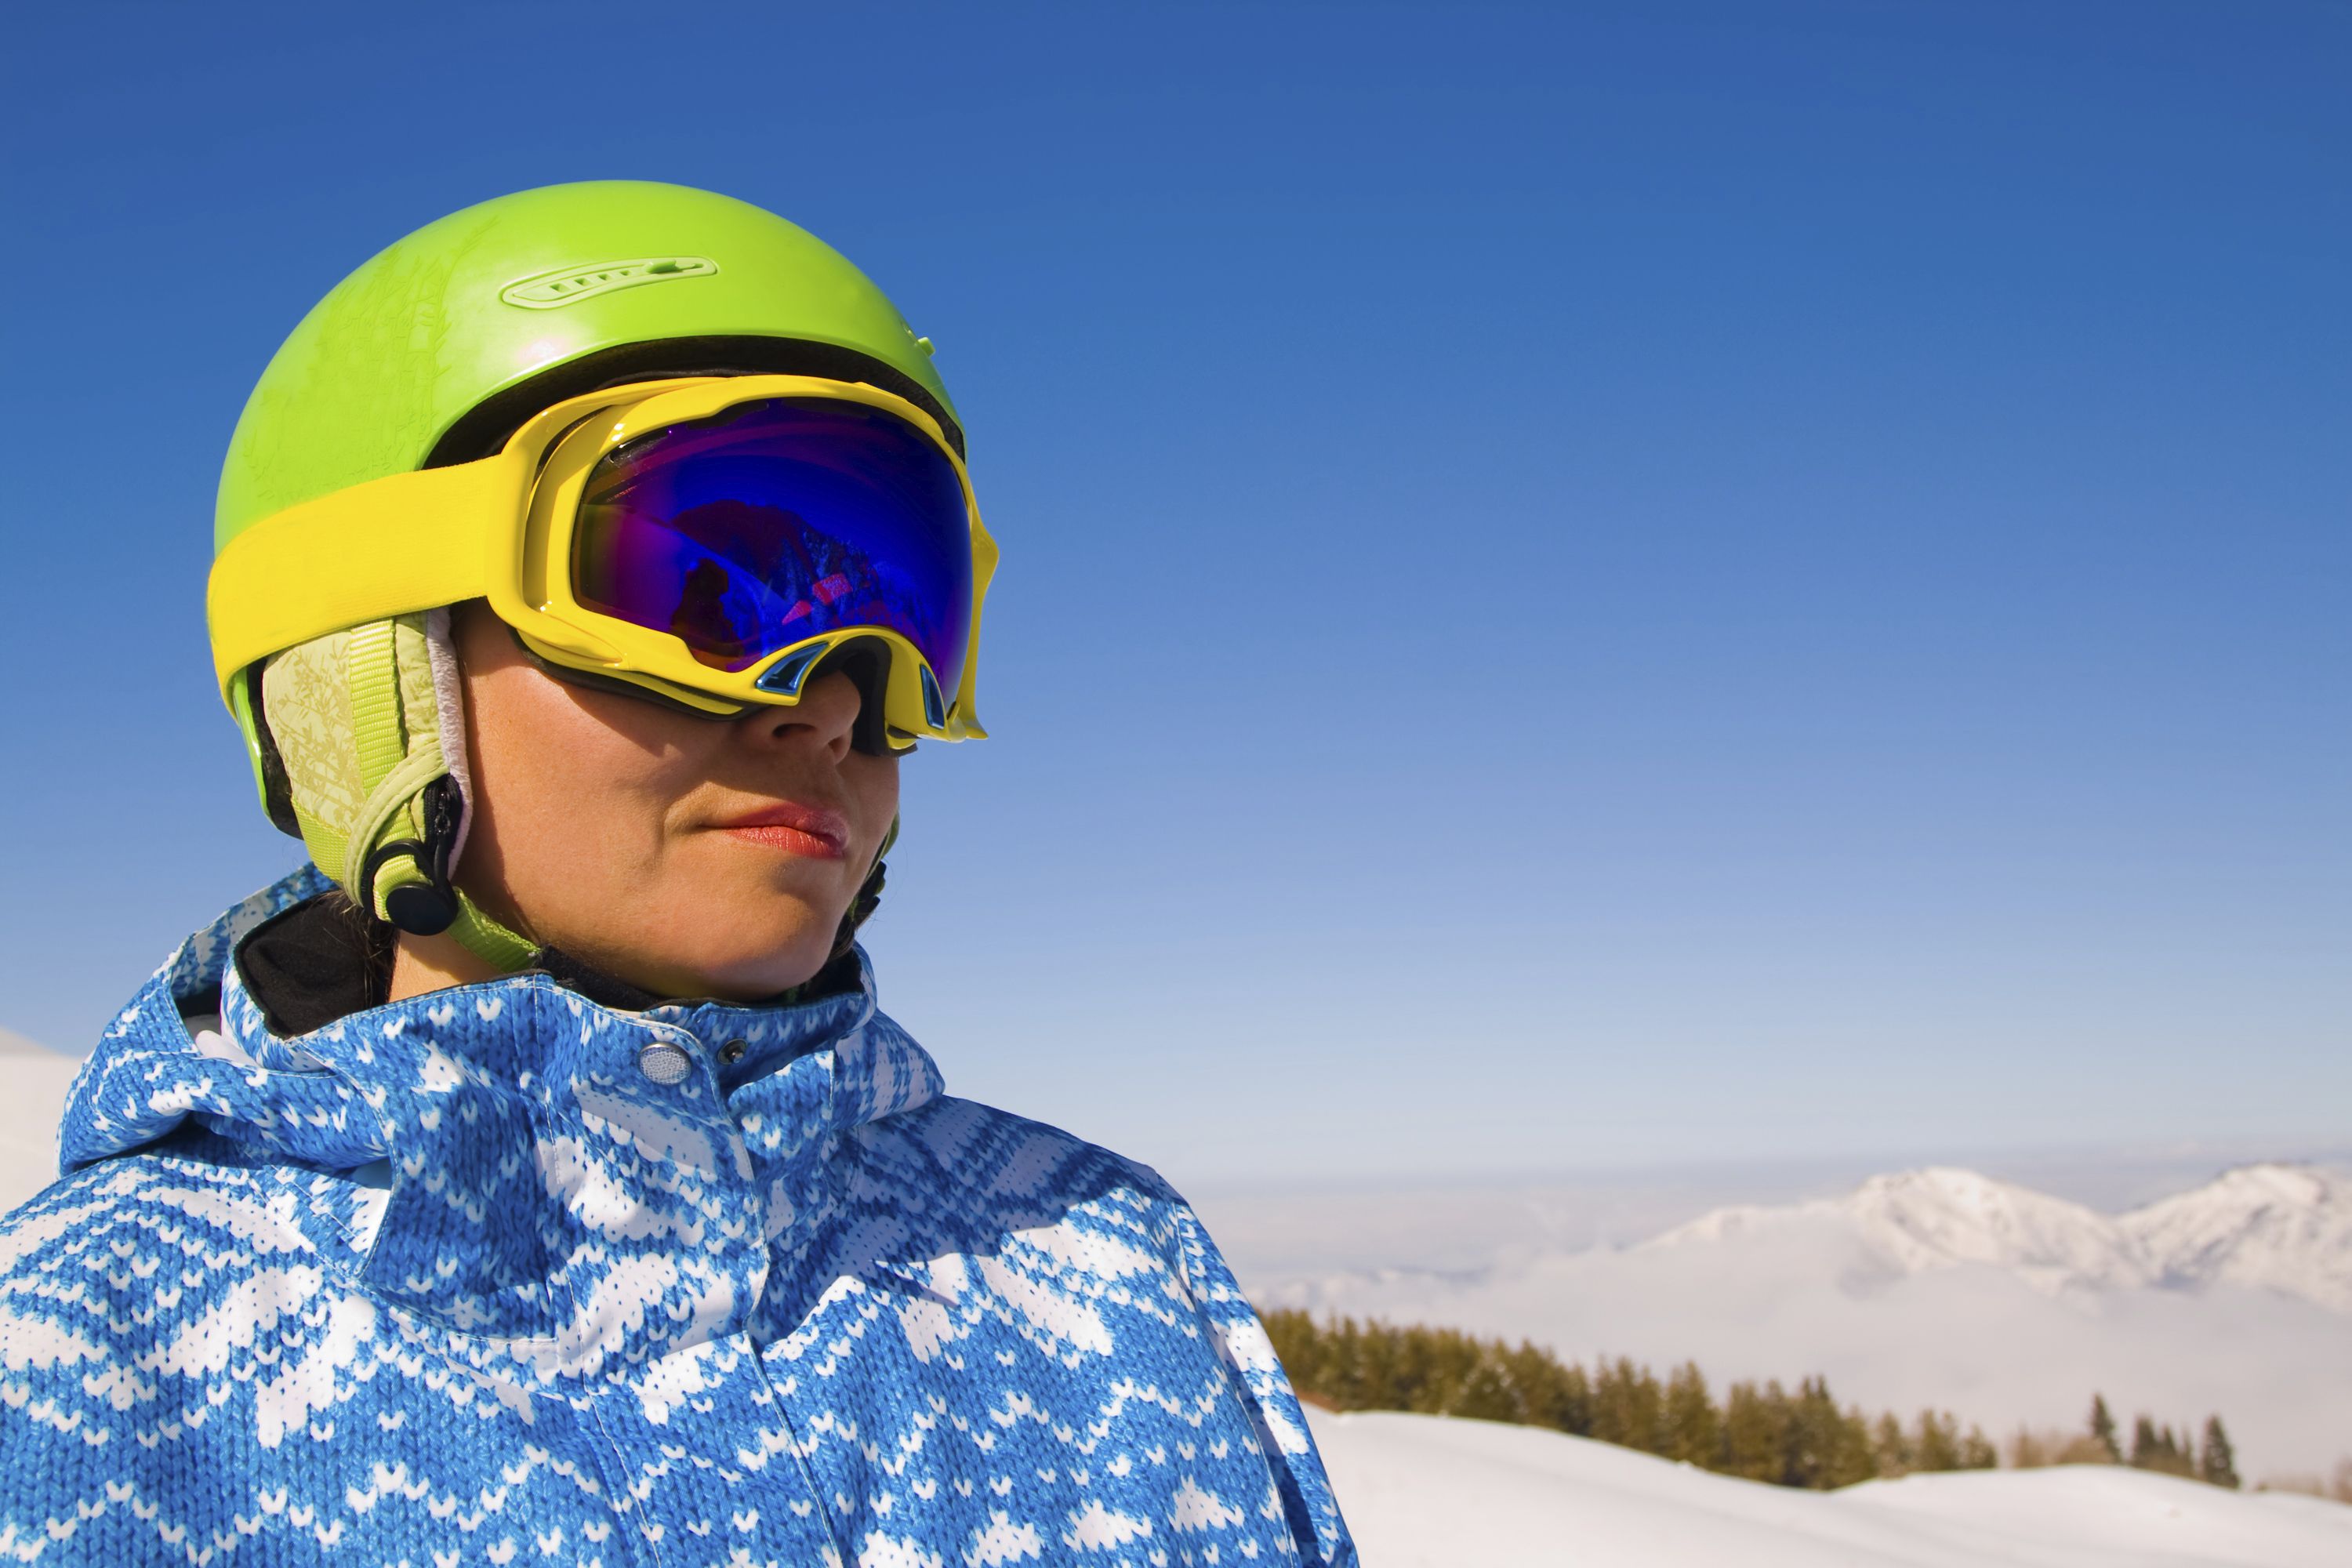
pixel 549 290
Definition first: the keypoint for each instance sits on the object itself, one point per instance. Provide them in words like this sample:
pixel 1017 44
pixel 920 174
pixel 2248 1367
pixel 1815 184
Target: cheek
pixel 568 798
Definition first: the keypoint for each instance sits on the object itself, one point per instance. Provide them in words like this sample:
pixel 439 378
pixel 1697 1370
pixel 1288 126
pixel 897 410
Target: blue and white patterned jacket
pixel 497 1275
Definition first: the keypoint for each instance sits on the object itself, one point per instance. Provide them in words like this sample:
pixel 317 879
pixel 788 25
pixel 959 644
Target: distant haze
pixel 1935 1288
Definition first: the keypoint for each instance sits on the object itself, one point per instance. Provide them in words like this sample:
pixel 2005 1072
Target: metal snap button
pixel 732 1052
pixel 665 1063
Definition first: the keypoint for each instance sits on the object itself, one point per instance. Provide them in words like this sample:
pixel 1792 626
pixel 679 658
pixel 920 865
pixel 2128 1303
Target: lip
pixel 798 829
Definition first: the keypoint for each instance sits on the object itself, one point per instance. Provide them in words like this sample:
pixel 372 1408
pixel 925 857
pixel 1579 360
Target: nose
pixel 825 716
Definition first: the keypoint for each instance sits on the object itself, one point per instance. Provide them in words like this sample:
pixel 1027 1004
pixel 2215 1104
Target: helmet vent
pixel 549 290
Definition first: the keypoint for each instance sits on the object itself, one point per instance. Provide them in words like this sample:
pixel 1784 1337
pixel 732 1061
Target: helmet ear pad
pixel 360 736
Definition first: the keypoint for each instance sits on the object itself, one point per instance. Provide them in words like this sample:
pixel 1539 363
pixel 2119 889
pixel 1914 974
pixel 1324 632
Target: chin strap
pixel 489 941
pixel 414 892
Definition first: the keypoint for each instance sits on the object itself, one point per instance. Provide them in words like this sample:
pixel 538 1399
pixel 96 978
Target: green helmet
pixel 433 352
pixel 440 344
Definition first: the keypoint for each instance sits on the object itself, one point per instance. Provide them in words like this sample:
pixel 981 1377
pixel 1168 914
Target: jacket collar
pixel 511 1122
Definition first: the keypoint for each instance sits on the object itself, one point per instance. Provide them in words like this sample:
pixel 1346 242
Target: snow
pixel 1946 1288
pixel 1920 1221
pixel 1426 1489
pixel 2284 1228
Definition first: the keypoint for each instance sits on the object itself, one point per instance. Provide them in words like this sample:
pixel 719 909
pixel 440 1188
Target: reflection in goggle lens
pixel 779 521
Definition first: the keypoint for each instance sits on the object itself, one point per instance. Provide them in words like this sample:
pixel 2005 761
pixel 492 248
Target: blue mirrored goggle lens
pixel 778 521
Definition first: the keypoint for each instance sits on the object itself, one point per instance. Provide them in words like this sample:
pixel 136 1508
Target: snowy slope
pixel 1426 1490
pixel 33 1082
pixel 2282 1227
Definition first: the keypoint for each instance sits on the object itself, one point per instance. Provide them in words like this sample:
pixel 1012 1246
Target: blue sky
pixel 1583 585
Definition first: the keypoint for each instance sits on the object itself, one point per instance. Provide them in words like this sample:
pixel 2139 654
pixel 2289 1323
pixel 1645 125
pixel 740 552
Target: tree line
pixel 2152 1447
pixel 1761 1431
pixel 1767 1432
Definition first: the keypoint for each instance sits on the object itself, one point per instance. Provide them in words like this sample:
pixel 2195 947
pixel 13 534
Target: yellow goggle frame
pixel 501 529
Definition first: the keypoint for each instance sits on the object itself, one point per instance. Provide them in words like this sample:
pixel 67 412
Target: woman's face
pixel 689 856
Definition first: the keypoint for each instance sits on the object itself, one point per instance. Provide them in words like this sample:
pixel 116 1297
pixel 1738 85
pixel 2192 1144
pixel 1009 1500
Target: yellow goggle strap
pixel 367 553
pixel 414 541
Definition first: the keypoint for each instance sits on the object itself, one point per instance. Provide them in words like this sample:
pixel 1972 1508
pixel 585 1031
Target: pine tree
pixel 1543 1387
pixel 1299 1346
pixel 1811 1437
pixel 1938 1443
pixel 1377 1374
pixel 2161 1450
pixel 1561 1397
pixel 1856 1458
pixel 2218 1465
pixel 1628 1406
pixel 2103 1429
pixel 1484 1390
pixel 1421 1371
pixel 2144 1452
pixel 1753 1422
pixel 1694 1425
pixel 1891 1448
pixel 1823 1446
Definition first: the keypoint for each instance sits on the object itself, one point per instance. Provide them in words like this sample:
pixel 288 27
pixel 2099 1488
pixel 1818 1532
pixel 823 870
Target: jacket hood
pixel 474 1145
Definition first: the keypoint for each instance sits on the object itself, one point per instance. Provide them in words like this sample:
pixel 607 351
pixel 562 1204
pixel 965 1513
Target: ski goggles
pixel 708 540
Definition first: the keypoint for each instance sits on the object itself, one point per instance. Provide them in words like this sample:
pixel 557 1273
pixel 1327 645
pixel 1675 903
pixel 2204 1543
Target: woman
pixel 531 1178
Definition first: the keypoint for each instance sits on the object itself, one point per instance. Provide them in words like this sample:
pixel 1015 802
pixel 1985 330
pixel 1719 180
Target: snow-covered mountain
pixel 2282 1227
pixel 1920 1221
pixel 2286 1228
pixel 1943 1287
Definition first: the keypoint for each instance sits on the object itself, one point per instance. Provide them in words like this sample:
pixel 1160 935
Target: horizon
pixel 1426 1224
pixel 2107 1178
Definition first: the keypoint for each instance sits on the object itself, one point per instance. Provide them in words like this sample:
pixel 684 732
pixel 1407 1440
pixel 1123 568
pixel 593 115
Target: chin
pixel 749 973
pixel 739 949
